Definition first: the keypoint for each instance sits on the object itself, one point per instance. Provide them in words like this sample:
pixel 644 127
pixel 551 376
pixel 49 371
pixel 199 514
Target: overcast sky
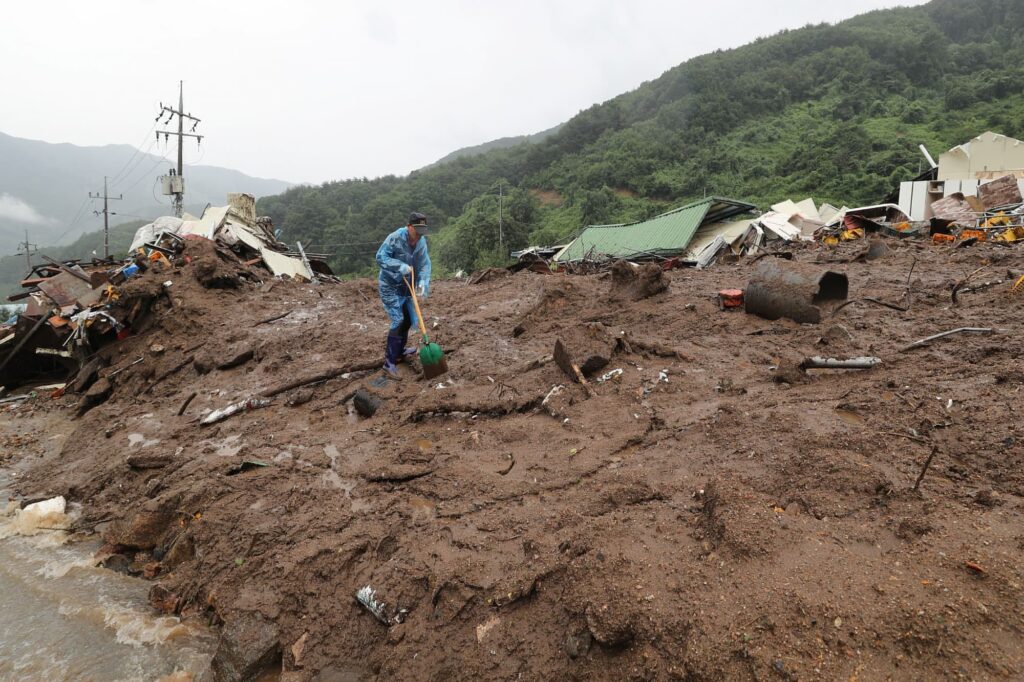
pixel 308 91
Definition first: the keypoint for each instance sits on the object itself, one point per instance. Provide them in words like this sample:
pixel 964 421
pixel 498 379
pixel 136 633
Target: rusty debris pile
pixel 73 308
pixel 995 213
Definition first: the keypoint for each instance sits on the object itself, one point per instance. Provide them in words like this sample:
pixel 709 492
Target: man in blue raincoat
pixel 402 256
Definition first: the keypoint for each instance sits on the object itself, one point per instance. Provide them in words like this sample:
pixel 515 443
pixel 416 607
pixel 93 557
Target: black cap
pixel 416 218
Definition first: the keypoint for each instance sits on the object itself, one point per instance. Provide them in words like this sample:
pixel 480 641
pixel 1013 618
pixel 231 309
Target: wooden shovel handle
pixel 415 302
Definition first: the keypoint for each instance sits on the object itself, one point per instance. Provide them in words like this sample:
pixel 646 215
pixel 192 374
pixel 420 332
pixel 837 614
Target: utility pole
pixel 29 250
pixel 174 184
pixel 106 213
pixel 501 230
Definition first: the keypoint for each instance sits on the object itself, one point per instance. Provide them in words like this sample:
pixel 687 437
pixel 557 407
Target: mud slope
pixel 705 516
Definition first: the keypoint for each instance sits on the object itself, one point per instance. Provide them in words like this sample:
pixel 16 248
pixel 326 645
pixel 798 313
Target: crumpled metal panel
pixel 65 288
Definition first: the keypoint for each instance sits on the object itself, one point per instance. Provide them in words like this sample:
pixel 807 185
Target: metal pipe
pixel 833 363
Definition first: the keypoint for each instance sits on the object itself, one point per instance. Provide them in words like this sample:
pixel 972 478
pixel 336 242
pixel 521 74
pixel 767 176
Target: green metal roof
pixel 665 235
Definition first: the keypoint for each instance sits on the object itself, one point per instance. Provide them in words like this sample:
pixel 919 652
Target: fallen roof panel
pixel 665 235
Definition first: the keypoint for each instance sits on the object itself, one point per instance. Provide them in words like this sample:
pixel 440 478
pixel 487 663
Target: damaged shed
pixel 664 236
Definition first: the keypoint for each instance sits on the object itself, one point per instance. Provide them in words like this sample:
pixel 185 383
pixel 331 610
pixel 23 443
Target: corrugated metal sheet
pixel 665 235
pixel 709 232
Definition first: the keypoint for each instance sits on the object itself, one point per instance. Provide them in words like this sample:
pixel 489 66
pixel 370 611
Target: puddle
pixel 850 417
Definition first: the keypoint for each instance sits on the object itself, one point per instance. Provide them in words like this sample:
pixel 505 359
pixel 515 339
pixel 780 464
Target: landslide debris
pixel 691 518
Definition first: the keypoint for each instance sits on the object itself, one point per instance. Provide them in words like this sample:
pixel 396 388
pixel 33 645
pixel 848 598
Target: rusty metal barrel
pixel 798 291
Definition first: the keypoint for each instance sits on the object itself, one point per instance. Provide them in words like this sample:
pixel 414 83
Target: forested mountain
pixel 833 111
pixel 44 187
pixel 502 143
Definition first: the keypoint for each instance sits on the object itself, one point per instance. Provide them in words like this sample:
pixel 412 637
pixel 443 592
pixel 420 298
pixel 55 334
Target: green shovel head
pixel 431 354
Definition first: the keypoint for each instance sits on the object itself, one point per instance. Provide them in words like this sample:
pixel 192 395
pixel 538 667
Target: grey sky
pixel 309 91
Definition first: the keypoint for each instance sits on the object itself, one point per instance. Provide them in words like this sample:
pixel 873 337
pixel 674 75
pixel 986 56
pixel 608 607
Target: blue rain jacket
pixel 392 253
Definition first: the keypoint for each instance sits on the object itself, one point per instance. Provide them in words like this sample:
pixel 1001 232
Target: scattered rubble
pixel 75 309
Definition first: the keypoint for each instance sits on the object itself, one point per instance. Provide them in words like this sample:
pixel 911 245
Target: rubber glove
pixel 404 269
pixel 423 291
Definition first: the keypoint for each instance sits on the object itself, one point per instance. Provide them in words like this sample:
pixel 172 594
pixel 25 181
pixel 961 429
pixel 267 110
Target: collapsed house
pixel 73 309
pixel 663 237
pixel 990 167
pixel 973 192
pixel 237 226
pixel 698 234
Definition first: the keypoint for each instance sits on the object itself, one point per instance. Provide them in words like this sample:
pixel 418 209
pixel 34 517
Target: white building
pixel 962 169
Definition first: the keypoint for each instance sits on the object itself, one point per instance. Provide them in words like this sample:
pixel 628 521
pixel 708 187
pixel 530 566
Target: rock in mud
pixel 300 397
pixel 204 362
pixel 249 644
pixel 96 394
pixel 163 600
pixel 876 249
pixel 610 626
pixel 180 551
pixel 578 645
pixel 87 375
pixel 144 531
pixel 118 563
pixel 987 498
pixel 637 282
pixel 365 403
pixel 236 357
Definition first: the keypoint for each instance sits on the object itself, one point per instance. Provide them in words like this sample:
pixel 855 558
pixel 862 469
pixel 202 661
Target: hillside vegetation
pixel 836 112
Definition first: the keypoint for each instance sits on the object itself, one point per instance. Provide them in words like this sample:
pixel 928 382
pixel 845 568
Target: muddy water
pixel 62 618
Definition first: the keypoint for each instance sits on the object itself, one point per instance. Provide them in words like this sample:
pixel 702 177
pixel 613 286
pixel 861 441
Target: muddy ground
pixel 713 513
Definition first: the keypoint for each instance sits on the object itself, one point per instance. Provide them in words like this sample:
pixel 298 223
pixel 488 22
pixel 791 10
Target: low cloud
pixel 13 208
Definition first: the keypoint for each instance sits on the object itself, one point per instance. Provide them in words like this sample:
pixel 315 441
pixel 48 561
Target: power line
pixel 135 166
pixel 147 172
pixel 74 221
pixel 117 176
